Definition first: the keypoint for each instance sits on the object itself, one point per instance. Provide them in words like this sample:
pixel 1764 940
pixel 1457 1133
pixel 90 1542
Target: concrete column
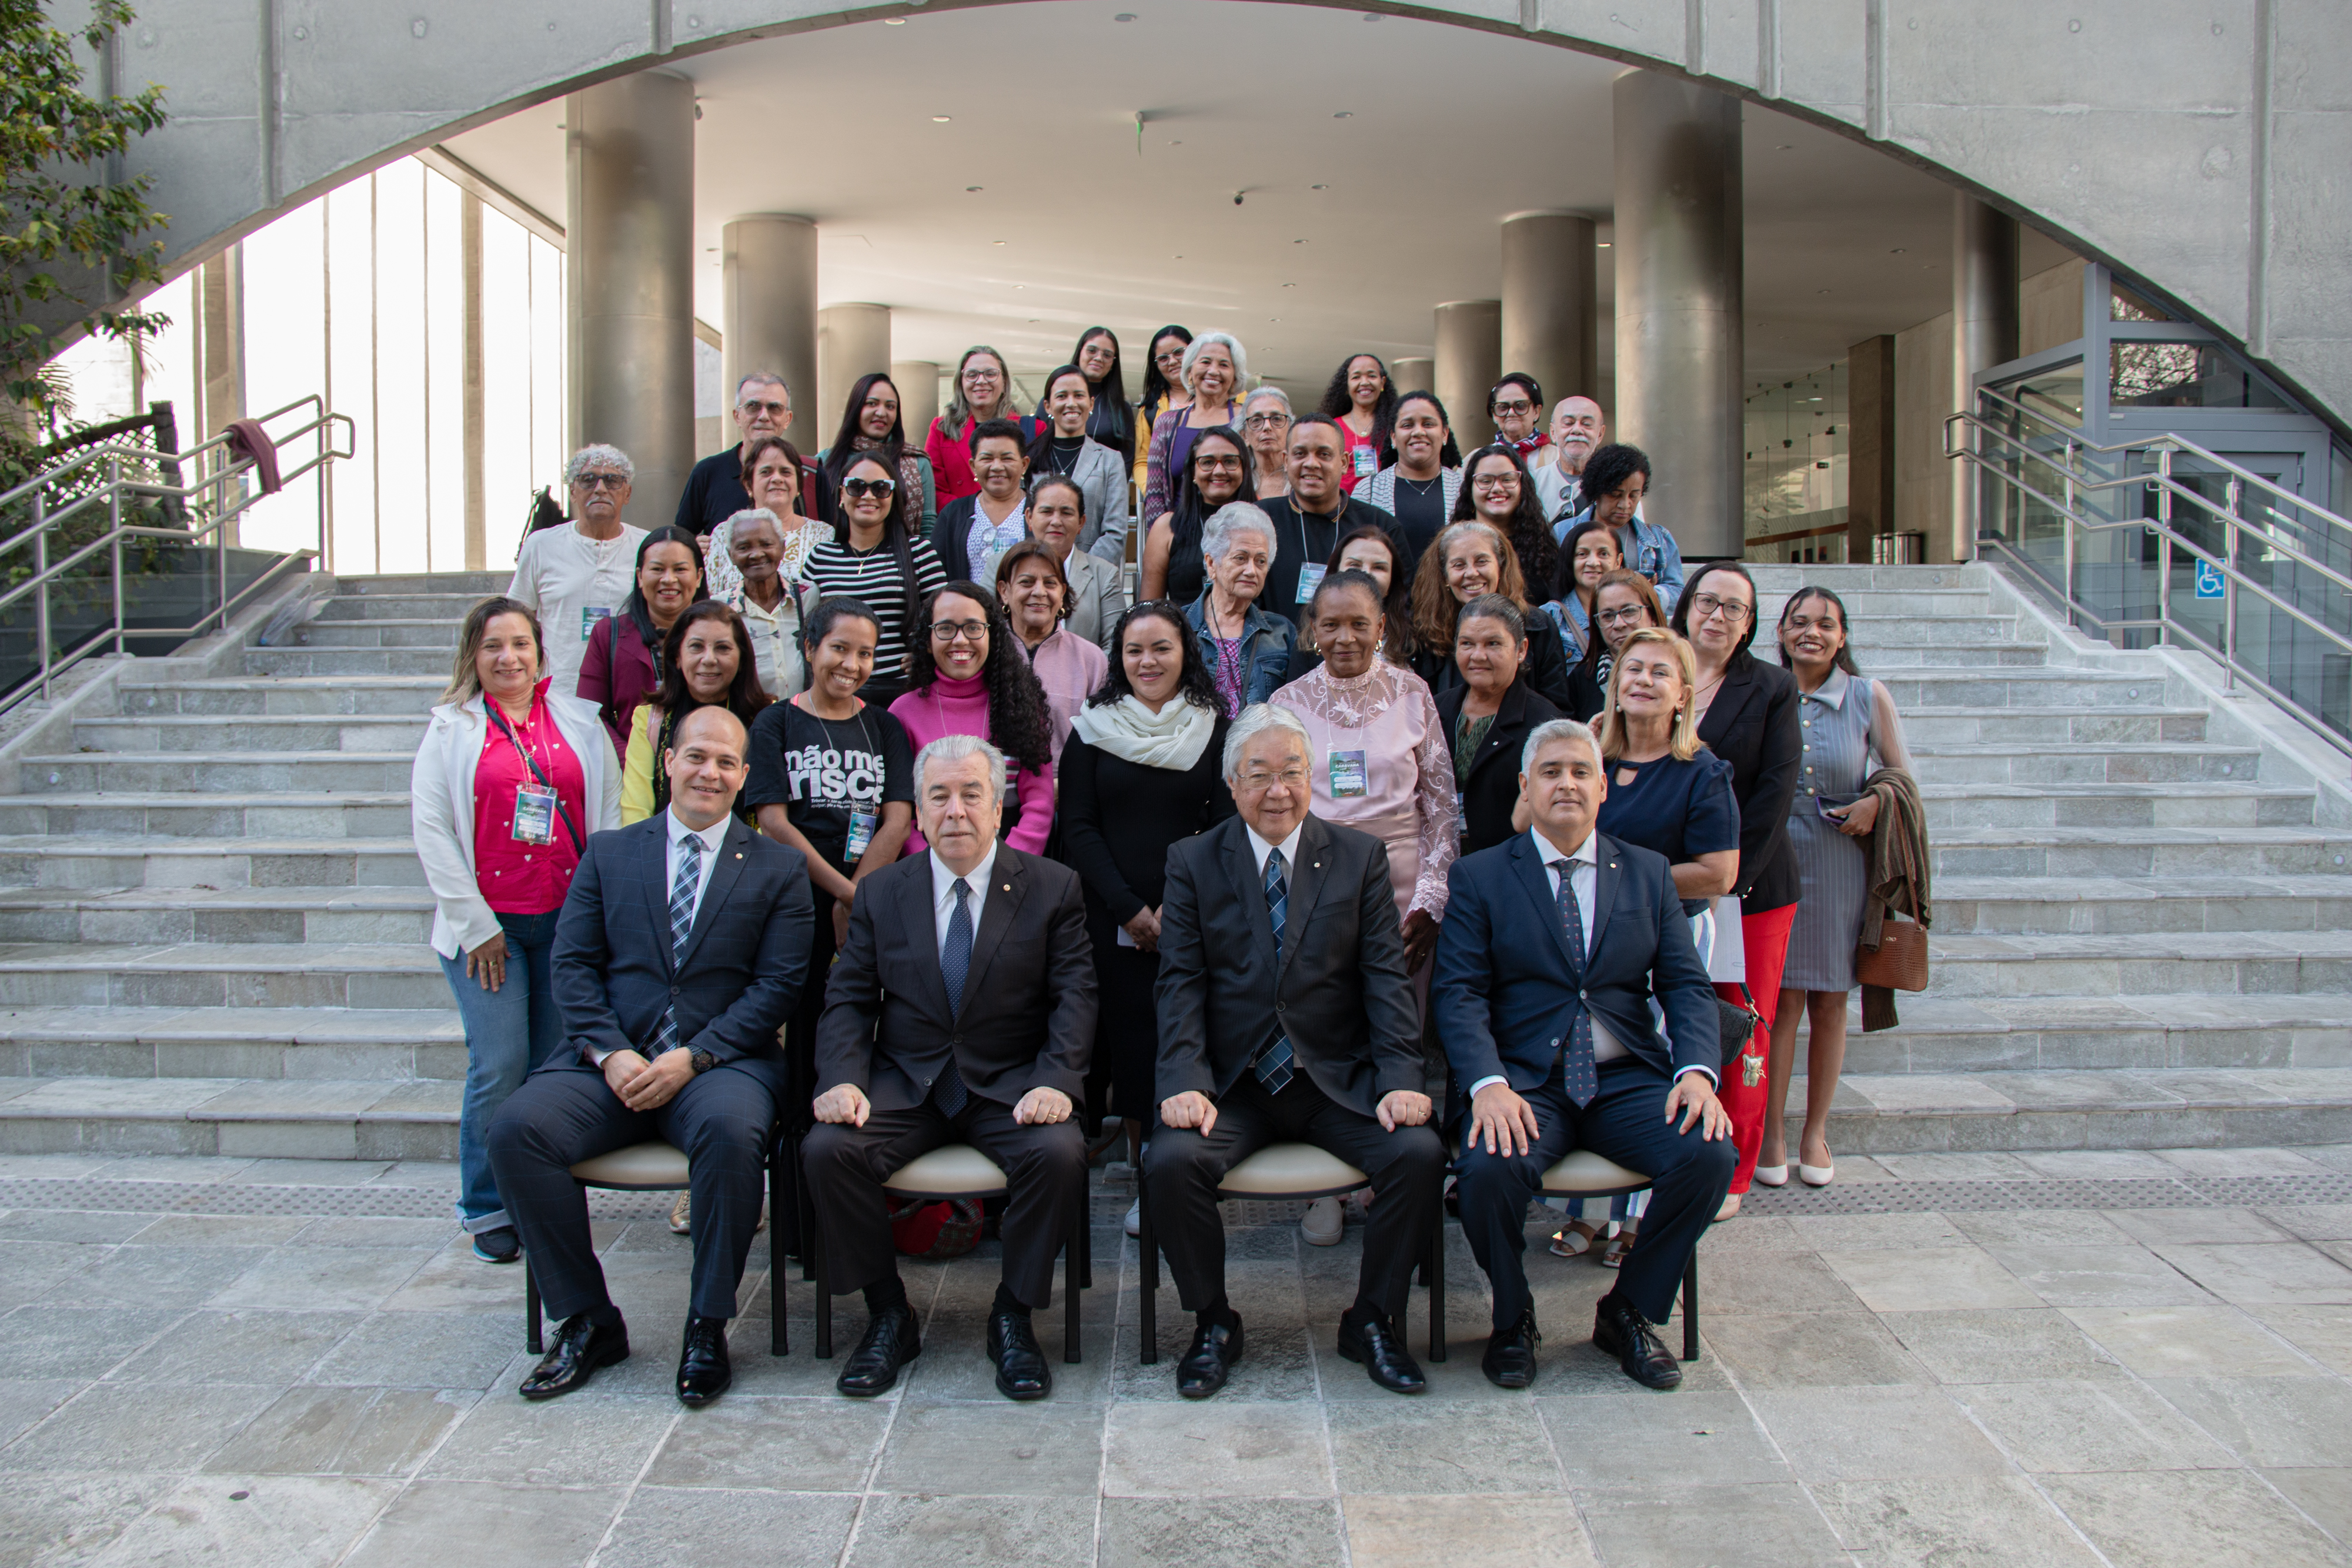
pixel 1870 443
pixel 1550 294
pixel 1984 334
pixel 851 340
pixel 768 268
pixel 919 395
pixel 219 342
pixel 470 247
pixel 1415 374
pixel 1679 266
pixel 1469 360
pixel 629 276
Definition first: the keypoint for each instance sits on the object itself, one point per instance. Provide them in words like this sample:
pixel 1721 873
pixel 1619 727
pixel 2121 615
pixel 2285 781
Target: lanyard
pixel 491 706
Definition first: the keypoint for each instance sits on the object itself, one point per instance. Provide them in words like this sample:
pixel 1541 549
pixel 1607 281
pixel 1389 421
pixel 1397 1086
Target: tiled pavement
pixel 2133 1358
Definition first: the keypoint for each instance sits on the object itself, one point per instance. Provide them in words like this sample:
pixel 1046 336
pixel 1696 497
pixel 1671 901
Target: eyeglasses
pixel 1515 409
pixel 1622 617
pixel 1218 461
pixel 1167 357
pixel 1706 604
pixel 1495 481
pixel 601 482
pixel 772 410
pixel 976 375
pixel 858 489
pixel 1264 421
pixel 1289 778
pixel 959 630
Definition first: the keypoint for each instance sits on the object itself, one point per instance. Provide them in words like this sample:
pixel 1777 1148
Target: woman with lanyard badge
pixel 707 662
pixel 873 557
pixel 622 664
pixel 1214 368
pixel 1423 486
pixel 1063 447
pixel 1364 401
pixel 510 781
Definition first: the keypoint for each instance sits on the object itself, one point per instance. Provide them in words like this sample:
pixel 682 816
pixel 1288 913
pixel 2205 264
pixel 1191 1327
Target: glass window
pixel 2185 375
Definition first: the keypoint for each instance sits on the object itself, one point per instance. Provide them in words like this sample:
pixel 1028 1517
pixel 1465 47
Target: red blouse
pixel 515 877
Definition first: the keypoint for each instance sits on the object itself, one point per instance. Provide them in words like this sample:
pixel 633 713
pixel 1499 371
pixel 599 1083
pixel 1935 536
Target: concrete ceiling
pixel 1376 157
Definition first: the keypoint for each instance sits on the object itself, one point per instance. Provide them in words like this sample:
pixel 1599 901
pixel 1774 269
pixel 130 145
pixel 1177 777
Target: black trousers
pixel 720 1120
pixel 1626 1121
pixel 1045 1172
pixel 1183 1166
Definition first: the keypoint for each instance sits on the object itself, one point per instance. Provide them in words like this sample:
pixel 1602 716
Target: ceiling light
pixel 1345 114
pixel 938 119
pixel 1821 292
pixel 894 21
pixel 1318 187
pixel 968 190
pixel 1896 251
pixel 1298 242
pixel 1124 17
pixel 996 241
pixel 1601 245
pixel 1290 286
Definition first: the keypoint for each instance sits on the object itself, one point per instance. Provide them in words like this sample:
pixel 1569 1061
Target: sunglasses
pixel 858 489
pixel 602 481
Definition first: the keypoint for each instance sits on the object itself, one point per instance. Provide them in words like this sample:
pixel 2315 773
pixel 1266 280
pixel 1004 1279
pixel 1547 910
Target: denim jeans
pixel 509 1032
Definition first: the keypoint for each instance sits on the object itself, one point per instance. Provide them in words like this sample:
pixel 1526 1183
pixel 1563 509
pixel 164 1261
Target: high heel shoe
pixel 1771 1176
pixel 1817 1176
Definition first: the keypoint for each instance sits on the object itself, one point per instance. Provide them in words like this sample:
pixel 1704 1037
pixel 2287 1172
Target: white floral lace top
pixel 1380 764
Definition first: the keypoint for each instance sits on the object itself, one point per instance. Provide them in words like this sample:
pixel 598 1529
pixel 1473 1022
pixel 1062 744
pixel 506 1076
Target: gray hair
pixel 761 379
pixel 1254 721
pixel 756 515
pixel 600 457
pixel 1236 517
pixel 1276 394
pixel 1496 607
pixel 1233 346
pixel 1544 734
pixel 955 748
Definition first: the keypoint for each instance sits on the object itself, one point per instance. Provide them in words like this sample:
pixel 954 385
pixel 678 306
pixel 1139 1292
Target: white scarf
pixel 1173 737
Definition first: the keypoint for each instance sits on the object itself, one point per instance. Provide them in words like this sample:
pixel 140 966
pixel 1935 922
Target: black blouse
pixel 1494 787
pixel 1752 724
pixel 1118 818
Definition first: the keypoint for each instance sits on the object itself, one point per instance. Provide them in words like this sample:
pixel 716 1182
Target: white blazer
pixel 441 808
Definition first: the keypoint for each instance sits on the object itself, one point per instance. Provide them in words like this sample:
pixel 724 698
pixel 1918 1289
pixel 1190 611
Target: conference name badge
pixel 588 615
pixel 861 833
pixel 534 814
pixel 1350 777
pixel 1310 577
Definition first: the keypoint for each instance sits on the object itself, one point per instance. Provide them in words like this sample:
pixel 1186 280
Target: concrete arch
pixel 2199 145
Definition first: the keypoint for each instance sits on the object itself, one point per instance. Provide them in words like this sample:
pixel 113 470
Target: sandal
pixel 1619 1245
pixel 1573 1239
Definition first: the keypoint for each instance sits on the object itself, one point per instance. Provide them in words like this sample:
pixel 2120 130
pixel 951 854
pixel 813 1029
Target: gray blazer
pixel 1102 479
pixel 1380 490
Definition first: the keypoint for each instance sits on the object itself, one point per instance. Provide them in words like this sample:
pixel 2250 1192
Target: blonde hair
pixel 1685 742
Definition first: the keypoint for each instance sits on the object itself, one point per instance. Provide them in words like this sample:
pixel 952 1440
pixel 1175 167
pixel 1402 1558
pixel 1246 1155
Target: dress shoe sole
pixel 1352 1354
pixel 606 1359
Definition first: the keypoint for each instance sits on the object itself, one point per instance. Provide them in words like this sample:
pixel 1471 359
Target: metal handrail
pixel 218 465
pixel 2080 480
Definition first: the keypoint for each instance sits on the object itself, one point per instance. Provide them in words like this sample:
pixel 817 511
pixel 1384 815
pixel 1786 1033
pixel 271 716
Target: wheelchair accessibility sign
pixel 2208 581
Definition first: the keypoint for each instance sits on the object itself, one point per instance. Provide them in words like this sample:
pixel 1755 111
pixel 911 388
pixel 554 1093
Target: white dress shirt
pixel 709 837
pixel 1290 848
pixel 943 882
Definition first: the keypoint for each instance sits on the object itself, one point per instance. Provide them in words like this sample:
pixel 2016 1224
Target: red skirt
pixel 1765 936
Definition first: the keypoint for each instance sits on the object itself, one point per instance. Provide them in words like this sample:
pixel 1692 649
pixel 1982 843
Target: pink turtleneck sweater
pixel 950 706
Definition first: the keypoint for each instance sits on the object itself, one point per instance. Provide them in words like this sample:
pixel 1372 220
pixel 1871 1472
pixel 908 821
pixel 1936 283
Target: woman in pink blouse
pixel 970 677
pixel 1036 595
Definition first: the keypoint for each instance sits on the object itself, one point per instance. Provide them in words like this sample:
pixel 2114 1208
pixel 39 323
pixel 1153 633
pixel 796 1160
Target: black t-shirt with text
pixel 821 770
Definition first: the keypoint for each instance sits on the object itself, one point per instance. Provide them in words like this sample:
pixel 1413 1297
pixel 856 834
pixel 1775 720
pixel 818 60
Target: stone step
pixel 318 1118
pixel 1873 636
pixel 2192 852
pixel 350 660
pixel 217 915
pixel 1884 603
pixel 475 584
pixel 199 975
pixel 2165 964
pixel 253 733
pixel 1843 579
pixel 1882 659
pixel 2040 762
pixel 2070 725
pixel 2017 686
pixel 203 772
pixel 96 862
pixel 2114 906
pixel 2208 804
pixel 2212 1108
pixel 230 1042
pixel 382 634
pixel 407 695
pixel 450 607
pixel 2016 1034
pixel 73 824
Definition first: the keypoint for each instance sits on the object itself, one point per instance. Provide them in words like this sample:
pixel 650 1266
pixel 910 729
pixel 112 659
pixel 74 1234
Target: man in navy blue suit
pixel 678 955
pixel 1554 942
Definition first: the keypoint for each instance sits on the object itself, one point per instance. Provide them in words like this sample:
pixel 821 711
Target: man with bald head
pixel 680 952
pixel 1578 426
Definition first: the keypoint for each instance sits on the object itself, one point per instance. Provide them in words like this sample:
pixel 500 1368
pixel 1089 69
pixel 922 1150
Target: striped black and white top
pixel 873 576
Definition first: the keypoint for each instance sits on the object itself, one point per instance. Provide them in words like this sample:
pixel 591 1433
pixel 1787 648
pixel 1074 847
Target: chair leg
pixel 1690 1308
pixel 805 1209
pixel 810 1250
pixel 1435 1268
pixel 1147 1253
pixel 1086 1239
pixel 1074 1262
pixel 780 1196
pixel 532 1340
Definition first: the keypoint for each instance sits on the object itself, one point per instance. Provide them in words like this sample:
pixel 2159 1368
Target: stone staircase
pixel 213 926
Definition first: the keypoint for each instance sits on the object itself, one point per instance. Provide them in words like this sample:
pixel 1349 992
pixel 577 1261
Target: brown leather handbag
pixel 1899 962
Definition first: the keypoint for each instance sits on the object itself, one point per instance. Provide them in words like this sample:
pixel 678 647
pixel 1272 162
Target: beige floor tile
pixel 703 1527
pixel 1631 1439
pixel 1875 1434
pixel 1936 1279
pixel 510 1526
pixel 2286 1421
pixel 1797 1350
pixel 2190 1342
pixel 289 1521
pixel 2112 1424
pixel 2192 1518
pixel 938 1532
pixel 1221 1532
pixel 344 1431
pixel 2263 1274
pixel 1976 1521
pixel 574 1441
pixel 2325 1332
pixel 1400 1446
pixel 1048 1447
pixel 1244 1451
pixel 2000 1344
pixel 1713 1526
pixel 1505 1531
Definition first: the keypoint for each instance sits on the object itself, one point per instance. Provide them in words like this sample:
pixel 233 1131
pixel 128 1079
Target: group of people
pixel 1414 794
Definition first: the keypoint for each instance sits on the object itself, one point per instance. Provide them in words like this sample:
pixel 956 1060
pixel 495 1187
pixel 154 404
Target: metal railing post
pixel 114 520
pixel 2229 590
pixel 2164 549
pixel 41 571
pixel 2067 524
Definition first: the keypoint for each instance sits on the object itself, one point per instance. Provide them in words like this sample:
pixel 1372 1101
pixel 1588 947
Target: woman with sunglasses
pixel 971 677
pixel 875 557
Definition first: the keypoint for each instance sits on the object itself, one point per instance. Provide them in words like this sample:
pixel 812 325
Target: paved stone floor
pixel 2131 1358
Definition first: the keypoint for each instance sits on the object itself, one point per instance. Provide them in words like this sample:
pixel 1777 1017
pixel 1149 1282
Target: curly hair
pixel 1434 610
pixel 1338 401
pixel 1016 704
pixel 1193 683
pixel 1530 536
pixel 1608 468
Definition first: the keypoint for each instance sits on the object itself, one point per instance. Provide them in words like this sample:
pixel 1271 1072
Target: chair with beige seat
pixel 1288 1173
pixel 1584 1173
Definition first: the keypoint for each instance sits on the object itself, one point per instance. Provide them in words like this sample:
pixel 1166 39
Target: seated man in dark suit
pixel 1285 1015
pixel 678 955
pixel 1554 942
pixel 972 959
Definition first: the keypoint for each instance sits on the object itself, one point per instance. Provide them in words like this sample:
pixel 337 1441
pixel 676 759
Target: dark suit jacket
pixel 1028 1019
pixel 1504 983
pixel 740 978
pixel 1494 787
pixel 1342 995
pixel 1752 724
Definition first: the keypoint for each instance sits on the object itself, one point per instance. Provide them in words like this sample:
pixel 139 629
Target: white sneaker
pixel 1324 1223
pixel 1135 1217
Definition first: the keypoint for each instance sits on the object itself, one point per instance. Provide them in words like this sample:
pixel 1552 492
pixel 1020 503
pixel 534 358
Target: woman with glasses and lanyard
pixel 1163 389
pixel 511 779
pixel 873 556
pixel 1748 716
pixel 983 390
pixel 971 677
pixel 1215 476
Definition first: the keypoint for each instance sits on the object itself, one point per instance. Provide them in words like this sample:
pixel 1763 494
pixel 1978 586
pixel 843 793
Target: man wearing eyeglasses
pixel 714 490
pixel 575 576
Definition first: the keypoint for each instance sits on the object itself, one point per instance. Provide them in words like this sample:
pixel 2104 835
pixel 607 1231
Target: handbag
pixel 1899 962
pixel 1737 1022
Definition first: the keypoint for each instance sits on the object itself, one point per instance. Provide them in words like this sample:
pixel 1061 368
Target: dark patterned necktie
pixel 1272 1065
pixel 955 966
pixel 1578 1075
pixel 682 889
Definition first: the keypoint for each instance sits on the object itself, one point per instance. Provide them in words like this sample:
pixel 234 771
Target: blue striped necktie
pixel 1578 1074
pixel 1274 1063
pixel 682 888
pixel 955 966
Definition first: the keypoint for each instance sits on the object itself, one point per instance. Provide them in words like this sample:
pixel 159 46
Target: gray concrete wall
pixel 2198 144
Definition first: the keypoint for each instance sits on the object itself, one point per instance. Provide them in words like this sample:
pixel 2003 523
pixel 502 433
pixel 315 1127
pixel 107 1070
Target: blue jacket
pixel 1649 549
pixel 739 978
pixel 1504 989
pixel 1268 641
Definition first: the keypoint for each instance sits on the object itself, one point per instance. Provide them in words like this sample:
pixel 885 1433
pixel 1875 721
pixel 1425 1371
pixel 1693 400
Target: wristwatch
pixel 703 1060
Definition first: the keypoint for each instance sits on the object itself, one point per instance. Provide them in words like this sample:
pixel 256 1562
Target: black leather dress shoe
pixel 1619 1330
pixel 1511 1358
pixel 1217 1351
pixel 890 1343
pixel 1021 1369
pixel 704 1370
pixel 1381 1350
pixel 580 1348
